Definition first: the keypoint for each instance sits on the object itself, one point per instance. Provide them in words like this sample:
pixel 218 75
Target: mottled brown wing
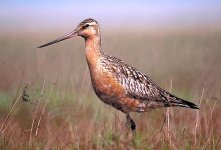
pixel 140 87
pixel 137 85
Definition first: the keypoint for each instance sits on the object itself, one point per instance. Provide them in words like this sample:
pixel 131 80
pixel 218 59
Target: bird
pixel 116 83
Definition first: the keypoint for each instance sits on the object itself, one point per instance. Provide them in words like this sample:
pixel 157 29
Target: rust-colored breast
pixel 105 83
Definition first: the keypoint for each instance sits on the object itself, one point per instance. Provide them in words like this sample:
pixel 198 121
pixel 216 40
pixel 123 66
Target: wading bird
pixel 116 83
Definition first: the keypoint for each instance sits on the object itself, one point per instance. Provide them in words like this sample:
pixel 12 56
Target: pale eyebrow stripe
pixel 92 23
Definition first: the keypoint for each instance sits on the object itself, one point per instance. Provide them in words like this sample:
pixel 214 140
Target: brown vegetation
pixel 62 112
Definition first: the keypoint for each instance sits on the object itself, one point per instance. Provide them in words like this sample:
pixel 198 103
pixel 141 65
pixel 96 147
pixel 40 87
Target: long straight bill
pixel 67 36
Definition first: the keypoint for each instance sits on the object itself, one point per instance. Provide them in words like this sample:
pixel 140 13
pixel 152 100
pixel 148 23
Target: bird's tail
pixel 183 103
pixel 175 101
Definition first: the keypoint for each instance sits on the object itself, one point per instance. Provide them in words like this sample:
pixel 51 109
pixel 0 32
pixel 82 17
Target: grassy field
pixel 61 110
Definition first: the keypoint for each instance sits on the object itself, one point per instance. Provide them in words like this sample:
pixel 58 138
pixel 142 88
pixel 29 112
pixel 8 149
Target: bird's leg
pixel 130 122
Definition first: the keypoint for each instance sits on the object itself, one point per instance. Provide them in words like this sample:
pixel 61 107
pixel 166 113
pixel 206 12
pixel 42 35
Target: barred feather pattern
pixel 139 86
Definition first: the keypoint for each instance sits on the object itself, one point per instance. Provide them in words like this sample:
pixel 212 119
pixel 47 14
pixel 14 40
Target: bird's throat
pixel 93 50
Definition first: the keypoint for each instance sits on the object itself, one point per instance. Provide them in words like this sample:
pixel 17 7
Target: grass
pixel 64 113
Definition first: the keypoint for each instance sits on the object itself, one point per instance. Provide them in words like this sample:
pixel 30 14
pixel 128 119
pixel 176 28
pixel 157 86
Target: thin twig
pixel 117 118
pixel 90 125
pixel 210 121
pixel 168 116
pixel 15 99
pixel 4 123
pixel 211 113
pixel 184 130
pixel 42 112
pixel 63 144
pixel 161 128
pixel 36 110
pixel 198 113
pixel 218 142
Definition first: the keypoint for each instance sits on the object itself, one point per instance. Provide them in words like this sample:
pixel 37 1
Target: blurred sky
pixel 29 14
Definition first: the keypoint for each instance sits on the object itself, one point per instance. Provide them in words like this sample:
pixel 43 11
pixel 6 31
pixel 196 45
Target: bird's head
pixel 89 28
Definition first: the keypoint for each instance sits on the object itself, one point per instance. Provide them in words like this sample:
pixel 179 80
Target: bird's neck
pixel 93 50
pixel 93 43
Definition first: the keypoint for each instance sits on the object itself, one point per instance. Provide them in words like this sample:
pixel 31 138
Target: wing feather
pixel 137 84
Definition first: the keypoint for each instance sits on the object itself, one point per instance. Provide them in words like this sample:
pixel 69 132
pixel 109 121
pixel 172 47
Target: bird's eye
pixel 87 25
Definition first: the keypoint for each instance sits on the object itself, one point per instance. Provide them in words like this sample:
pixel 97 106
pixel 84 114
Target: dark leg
pixel 130 122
